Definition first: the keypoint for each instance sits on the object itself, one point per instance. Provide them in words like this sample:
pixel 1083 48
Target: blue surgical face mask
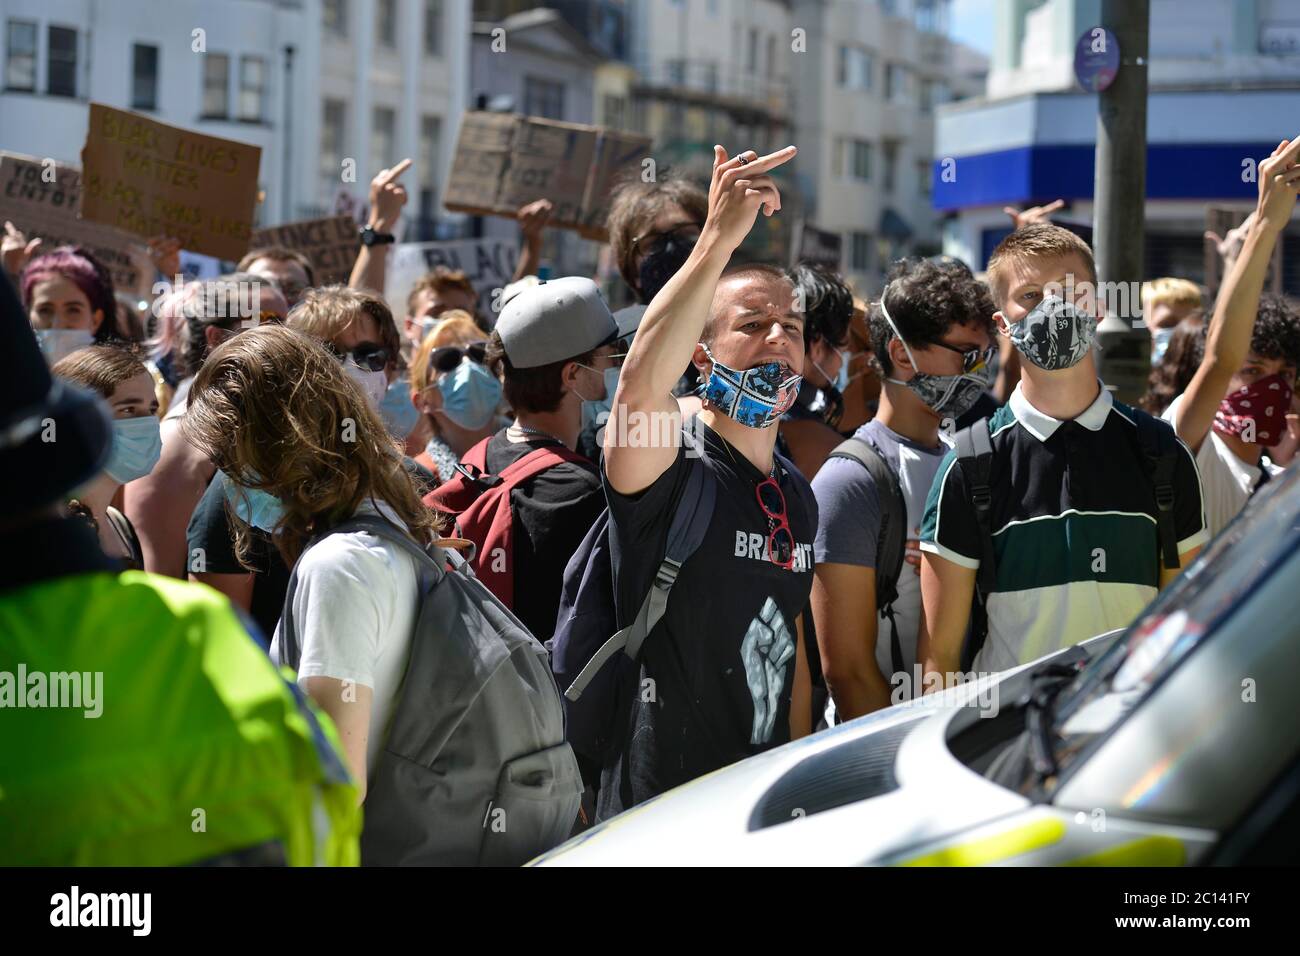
pixel 398 412
pixel 137 446
pixel 592 409
pixel 756 397
pixel 59 343
pixel 1160 343
pixel 842 378
pixel 470 394
pixel 254 507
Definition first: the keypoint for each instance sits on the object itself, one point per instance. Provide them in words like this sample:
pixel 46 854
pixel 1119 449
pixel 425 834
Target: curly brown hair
pixel 274 410
pixel 926 299
pixel 1173 373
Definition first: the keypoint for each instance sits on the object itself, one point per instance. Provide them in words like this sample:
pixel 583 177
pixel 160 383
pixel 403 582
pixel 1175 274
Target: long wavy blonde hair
pixel 275 411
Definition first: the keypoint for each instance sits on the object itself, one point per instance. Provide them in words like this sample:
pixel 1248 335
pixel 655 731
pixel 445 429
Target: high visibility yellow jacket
pixel 141 725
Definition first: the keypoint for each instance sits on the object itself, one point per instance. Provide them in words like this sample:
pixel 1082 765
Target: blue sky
pixel 972 23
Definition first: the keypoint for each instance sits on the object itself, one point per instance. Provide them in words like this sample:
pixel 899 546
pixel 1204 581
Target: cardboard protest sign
pixel 156 180
pixel 489 264
pixel 816 245
pixel 504 161
pixel 41 198
pixel 331 244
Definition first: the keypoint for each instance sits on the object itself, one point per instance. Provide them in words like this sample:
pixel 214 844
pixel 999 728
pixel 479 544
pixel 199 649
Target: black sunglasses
pixel 971 359
pixel 448 357
pixel 653 242
pixel 368 355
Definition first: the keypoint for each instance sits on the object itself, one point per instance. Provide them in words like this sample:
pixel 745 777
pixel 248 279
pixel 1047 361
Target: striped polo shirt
pixel 1074 526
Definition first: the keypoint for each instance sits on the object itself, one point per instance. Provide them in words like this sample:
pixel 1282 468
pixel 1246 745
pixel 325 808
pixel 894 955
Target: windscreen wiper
pixel 1045 684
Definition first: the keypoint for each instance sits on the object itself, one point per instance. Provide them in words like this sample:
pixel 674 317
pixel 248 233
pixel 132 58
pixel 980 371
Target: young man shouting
pixel 724 674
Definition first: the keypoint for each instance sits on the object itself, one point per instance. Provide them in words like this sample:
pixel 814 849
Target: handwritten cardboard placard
pixel 330 243
pixel 489 264
pixel 152 179
pixel 42 197
pixel 504 161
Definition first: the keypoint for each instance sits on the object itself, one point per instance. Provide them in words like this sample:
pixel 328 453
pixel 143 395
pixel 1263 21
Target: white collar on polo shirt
pixel 1041 426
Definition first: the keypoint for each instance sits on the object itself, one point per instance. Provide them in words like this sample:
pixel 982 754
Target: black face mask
pixel 662 264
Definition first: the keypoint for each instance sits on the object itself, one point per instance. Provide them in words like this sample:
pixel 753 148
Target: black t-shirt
pixel 722 660
pixel 209 529
pixel 553 511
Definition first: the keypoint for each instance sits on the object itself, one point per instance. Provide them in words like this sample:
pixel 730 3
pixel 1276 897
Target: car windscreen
pixel 1231 567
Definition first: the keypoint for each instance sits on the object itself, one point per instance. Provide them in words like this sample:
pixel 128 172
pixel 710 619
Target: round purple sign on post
pixel 1096 59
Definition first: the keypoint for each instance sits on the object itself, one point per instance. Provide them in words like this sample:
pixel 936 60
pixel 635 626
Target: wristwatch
pixel 371 238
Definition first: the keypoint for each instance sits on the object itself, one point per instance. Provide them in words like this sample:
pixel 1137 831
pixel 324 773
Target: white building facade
pixel 1224 88
pixel 311 82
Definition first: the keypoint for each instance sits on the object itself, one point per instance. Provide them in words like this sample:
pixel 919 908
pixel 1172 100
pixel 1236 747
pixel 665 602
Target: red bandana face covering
pixel 1264 402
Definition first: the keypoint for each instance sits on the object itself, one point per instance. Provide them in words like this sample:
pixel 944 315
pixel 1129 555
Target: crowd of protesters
pixel 806 501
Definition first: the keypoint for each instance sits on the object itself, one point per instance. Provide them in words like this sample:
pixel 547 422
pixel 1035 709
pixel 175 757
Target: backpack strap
pixel 975 458
pixel 690 522
pixel 891 540
pixel 1160 448
pixel 428 564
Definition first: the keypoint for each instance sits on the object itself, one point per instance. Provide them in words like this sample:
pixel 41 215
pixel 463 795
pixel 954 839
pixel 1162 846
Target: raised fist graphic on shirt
pixel 766 650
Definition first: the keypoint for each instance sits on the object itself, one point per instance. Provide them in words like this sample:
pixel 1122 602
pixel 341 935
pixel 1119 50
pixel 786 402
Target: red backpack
pixel 480 505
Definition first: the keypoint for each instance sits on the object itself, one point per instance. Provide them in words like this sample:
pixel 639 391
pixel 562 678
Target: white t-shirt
pixel 355 610
pixel 1227 482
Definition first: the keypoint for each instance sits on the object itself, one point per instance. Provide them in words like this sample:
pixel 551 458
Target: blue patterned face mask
pixel 756 397
pixel 253 506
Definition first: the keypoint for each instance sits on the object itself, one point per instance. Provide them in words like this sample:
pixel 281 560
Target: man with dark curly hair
pixel 933 334
pixel 1236 404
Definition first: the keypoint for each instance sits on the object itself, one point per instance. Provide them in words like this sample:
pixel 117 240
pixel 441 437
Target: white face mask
pixel 374 384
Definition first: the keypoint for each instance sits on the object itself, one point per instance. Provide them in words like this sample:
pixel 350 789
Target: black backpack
pixel 1159 449
pixel 891 541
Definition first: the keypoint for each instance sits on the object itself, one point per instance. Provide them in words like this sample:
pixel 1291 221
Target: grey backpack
pixel 474 769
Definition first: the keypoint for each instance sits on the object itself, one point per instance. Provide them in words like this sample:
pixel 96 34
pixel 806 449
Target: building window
pixel 543 98
pixel 859 159
pixel 890 7
pixel 751 62
pixel 711 77
pixel 771 56
pixel 61 70
pixel 336 17
pixel 386 12
pixel 433 27
pixel 677 72
pixel 382 138
pixel 333 125
pixel 891 165
pixel 20 58
pixel 430 143
pixel 144 77
pixel 252 89
pixel 860 252
pixel 924 174
pixel 855 68
pixel 615 111
pixel 896 83
pixel 216 86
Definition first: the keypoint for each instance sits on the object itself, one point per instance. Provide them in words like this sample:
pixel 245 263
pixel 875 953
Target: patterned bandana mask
pixel 1055 335
pixel 756 397
pixel 1260 408
pixel 948 396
